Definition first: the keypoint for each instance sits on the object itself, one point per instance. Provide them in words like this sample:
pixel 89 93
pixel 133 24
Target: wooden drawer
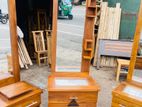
pixel 33 101
pixel 64 97
pixel 117 102
pixel 66 105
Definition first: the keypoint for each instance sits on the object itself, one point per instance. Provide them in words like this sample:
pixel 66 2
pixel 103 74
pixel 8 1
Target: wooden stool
pixel 120 63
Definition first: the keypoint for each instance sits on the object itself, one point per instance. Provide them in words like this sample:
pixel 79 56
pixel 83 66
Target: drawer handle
pixel 33 103
pixel 73 102
pixel 75 98
pixel 120 105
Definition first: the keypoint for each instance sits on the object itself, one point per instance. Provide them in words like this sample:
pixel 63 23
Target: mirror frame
pixel 88 35
pixel 135 45
pixel 14 45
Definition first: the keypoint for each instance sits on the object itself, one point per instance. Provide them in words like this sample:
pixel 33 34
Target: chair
pixel 41 52
pixel 120 63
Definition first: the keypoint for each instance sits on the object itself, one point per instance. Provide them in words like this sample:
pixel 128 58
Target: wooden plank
pixel 25 51
pixel 108 29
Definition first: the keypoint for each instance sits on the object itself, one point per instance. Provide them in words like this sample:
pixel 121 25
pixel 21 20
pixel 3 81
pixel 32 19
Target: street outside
pixel 69 38
pixel 5 46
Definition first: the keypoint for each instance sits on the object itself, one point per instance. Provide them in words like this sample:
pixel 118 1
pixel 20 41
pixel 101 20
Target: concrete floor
pixel 70 33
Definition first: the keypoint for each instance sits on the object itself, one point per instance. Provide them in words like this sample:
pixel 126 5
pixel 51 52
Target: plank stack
pixel 108 29
pixel 24 58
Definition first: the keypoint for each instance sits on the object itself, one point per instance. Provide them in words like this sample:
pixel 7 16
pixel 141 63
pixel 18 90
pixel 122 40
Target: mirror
pixel 137 75
pixel 69 38
pixel 5 44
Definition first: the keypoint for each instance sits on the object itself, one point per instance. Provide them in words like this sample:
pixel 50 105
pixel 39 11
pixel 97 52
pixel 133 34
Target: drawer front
pixel 33 101
pixel 80 105
pixel 117 102
pixel 65 97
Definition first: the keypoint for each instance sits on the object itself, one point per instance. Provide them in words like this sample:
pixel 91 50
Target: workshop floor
pixel 71 31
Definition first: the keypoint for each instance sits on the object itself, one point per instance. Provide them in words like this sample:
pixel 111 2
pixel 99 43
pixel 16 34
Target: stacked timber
pixel 24 58
pixel 109 26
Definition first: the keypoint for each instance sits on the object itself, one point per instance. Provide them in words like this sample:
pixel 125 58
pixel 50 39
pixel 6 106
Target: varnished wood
pixel 122 98
pixel 54 35
pixel 131 96
pixel 14 46
pixel 85 95
pixel 14 38
pixel 15 90
pixel 30 99
pixel 135 44
pixel 62 95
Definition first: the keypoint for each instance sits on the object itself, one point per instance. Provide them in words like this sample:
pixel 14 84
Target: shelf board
pixel 87 57
pixel 91 6
pixel 91 16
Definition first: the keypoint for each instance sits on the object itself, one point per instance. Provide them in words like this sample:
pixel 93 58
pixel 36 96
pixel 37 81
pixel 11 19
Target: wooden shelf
pixel 88 45
pixel 91 16
pixel 91 3
pixel 92 7
pixel 87 57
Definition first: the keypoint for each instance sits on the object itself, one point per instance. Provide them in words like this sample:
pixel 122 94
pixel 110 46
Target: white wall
pixel 4 6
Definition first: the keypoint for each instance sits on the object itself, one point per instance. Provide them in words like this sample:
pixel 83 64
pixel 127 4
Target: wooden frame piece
pixel 14 47
pixel 88 35
pixel 40 49
pixel 135 44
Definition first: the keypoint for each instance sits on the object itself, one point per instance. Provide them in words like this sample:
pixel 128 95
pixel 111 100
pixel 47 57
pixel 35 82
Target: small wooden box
pixel 127 95
pixel 20 94
pixel 72 91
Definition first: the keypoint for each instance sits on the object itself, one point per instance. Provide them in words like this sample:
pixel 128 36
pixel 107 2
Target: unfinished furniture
pixel 115 48
pixel 41 52
pixel 24 58
pixel 129 93
pixel 72 88
pixel 41 19
pixel 120 64
pixel 109 25
pixel 20 94
pixel 49 38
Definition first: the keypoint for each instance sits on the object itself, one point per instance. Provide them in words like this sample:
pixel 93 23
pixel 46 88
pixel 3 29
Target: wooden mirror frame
pixel 87 38
pixel 14 45
pixel 135 45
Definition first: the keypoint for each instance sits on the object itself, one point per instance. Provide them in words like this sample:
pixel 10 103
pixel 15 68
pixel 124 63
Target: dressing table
pixel 70 84
pixel 129 93
pixel 13 92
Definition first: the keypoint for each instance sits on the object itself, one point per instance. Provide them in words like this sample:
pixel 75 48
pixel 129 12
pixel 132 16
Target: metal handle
pixel 33 103
pixel 73 98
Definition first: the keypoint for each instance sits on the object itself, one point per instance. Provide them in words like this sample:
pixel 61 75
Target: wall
pixel 130 10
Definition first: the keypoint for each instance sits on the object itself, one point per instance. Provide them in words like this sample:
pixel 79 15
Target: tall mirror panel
pixel 6 67
pixel 70 29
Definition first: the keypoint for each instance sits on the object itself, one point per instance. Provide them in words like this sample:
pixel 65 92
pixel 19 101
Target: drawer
pixel 66 105
pixel 117 102
pixel 33 101
pixel 66 97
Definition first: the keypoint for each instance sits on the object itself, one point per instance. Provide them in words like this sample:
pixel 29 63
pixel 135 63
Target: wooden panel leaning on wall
pixel 129 93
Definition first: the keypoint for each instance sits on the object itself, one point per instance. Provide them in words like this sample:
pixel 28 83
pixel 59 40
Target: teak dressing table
pixel 14 93
pixel 129 93
pixel 67 85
